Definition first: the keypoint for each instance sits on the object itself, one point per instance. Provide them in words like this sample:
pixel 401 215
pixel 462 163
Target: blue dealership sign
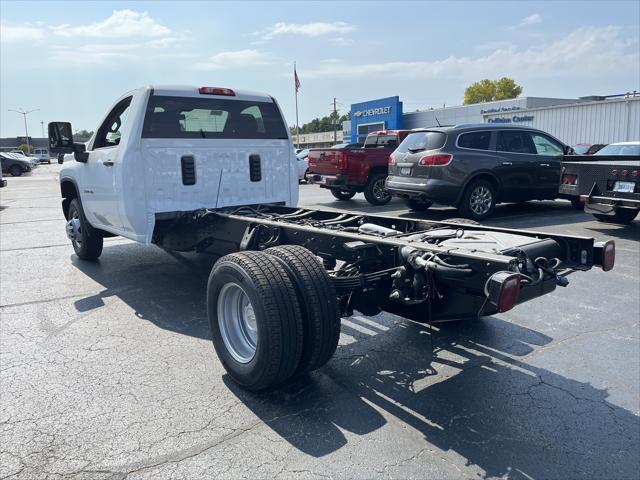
pixel 380 114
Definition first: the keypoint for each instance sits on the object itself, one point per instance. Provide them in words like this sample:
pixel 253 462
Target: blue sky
pixel 72 59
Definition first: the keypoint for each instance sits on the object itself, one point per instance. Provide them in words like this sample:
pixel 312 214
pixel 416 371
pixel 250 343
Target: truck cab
pixel 164 150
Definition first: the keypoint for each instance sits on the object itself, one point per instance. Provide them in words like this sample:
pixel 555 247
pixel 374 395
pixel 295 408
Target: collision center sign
pixel 373 111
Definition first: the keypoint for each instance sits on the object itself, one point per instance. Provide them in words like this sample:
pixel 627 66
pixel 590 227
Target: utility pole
pixel 24 116
pixel 335 121
pixel 42 127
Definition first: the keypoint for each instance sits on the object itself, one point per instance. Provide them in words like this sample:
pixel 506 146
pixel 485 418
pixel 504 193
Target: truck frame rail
pixel 427 271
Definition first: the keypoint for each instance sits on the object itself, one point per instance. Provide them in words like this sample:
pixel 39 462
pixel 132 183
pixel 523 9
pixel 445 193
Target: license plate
pixel 405 170
pixel 627 187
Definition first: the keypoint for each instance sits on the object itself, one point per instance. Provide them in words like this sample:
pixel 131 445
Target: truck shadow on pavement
pixel 472 396
pixel 478 393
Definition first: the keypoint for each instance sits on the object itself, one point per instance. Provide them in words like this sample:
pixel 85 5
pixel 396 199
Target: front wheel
pixel 478 201
pixel 622 216
pixel 255 318
pixel 375 191
pixel 342 194
pixel 15 171
pixel 87 241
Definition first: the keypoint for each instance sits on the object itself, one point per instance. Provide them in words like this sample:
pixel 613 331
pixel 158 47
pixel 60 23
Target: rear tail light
pixel 216 91
pixel 614 172
pixel 342 161
pixel 607 253
pixel 569 179
pixel 502 290
pixel 437 159
pixel 624 173
pixel 392 159
pixel 634 173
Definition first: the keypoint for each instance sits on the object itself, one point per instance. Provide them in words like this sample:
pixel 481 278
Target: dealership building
pixel 595 119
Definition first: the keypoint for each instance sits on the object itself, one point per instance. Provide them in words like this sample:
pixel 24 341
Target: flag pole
pixel 295 87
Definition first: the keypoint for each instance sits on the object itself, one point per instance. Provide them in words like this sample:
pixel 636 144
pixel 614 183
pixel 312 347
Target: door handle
pixel 108 163
pixel 506 164
pixel 544 164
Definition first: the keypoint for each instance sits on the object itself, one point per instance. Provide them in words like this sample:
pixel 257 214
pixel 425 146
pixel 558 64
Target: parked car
pixel 42 154
pixel 21 155
pixel 621 148
pixel 475 167
pixel 587 148
pixel 348 170
pixel 302 164
pixel 14 165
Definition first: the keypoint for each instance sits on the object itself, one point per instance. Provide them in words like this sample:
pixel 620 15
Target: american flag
pixel 296 79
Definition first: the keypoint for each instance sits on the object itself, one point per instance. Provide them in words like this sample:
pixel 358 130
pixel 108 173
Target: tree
pixel 507 88
pixel 83 133
pixel 489 90
pixel 24 148
pixel 324 124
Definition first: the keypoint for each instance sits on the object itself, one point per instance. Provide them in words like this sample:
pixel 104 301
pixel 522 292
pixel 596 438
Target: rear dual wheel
pixel 273 315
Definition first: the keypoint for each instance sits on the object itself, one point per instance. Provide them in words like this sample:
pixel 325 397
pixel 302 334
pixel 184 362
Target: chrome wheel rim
pixel 378 190
pixel 74 229
pixel 237 323
pixel 481 200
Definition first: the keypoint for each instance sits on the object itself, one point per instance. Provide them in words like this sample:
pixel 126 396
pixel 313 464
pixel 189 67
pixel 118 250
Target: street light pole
pixel 24 116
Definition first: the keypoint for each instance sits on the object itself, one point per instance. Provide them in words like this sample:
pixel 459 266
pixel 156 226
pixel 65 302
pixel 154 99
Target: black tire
pixel 342 194
pixel 478 201
pixel 15 170
pixel 306 176
pixel 89 242
pixel 318 302
pixel 277 315
pixel 417 206
pixel 577 204
pixel 623 216
pixel 374 190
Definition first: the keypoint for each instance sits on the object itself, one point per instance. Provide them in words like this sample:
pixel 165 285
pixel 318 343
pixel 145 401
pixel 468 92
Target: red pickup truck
pixel 347 171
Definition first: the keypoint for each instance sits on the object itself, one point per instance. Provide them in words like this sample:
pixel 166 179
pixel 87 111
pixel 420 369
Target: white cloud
pixel 20 33
pixel 121 24
pixel 126 35
pixel 529 20
pixel 316 29
pixel 235 59
pixel 596 50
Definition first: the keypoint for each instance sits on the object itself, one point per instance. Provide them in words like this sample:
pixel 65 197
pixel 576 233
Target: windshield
pixel 186 117
pixel 419 141
pixel 620 149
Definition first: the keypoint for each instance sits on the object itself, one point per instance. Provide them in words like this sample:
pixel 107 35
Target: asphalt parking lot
pixel 107 369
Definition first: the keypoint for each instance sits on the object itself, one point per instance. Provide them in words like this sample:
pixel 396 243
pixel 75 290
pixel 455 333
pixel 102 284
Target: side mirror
pixel 80 152
pixel 568 150
pixel 60 137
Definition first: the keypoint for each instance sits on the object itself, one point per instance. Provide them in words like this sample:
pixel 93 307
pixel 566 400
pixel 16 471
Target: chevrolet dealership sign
pixel 373 111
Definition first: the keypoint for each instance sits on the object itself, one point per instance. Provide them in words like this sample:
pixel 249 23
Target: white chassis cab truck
pixel 213 170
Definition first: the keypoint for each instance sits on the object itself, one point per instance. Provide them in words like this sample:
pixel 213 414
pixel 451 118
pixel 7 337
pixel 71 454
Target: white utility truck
pixel 213 170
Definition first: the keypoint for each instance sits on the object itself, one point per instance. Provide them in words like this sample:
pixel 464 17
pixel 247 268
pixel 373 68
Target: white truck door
pixel 102 184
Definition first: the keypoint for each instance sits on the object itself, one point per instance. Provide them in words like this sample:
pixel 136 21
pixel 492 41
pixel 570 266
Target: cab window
pixel 546 146
pixel 515 142
pixel 475 140
pixel 110 131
